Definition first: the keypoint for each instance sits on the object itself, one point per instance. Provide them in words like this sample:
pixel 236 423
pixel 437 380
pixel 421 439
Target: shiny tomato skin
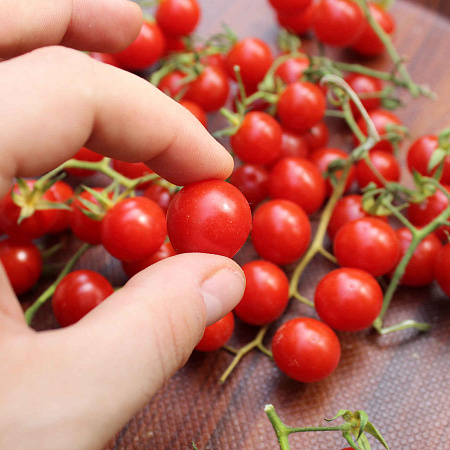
pixel 365 85
pixel 196 110
pixel 442 269
pixel 348 299
pixel 292 69
pixel 178 17
pixel 133 229
pixel 419 154
pixel 421 214
pixel 172 84
pixel 253 56
pixel 133 267
pixel 290 5
pixel 210 216
pixel 293 144
pixel 251 180
pixel 306 349
pixel 386 164
pixel 62 193
pixel 281 231
pixel 217 335
pixel 78 293
pixel 301 105
pixel 22 262
pixel 317 136
pixel 266 293
pixel 298 23
pixel 369 244
pixel 133 171
pixel 298 180
pixel 84 154
pixel 338 23
pixel 420 268
pixel 258 139
pixel 368 43
pixel 145 50
pixel 160 195
pixel 210 89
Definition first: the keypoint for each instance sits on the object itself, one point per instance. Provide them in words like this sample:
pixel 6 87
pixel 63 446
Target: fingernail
pixel 222 292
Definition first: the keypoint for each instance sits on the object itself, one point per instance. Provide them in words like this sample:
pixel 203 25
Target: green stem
pixel 31 311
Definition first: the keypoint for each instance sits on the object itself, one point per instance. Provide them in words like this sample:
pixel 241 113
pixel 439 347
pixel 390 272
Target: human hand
pixel 76 387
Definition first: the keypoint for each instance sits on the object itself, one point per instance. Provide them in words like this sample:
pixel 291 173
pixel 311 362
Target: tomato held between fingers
pixel 78 293
pixel 306 349
pixel 210 216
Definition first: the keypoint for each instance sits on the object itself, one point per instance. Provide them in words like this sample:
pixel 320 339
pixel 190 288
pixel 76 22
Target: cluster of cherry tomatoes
pixel 285 172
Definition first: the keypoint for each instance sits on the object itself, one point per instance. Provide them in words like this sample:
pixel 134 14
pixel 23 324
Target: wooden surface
pixel 402 380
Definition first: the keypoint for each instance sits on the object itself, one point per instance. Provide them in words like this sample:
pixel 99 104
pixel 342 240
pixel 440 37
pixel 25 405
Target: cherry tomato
pixel 290 5
pixel 254 58
pixel 160 195
pixel 323 157
pixel 266 293
pixel 385 163
pixel 178 17
pixel 210 89
pixel 106 58
pixel 420 268
pixel 258 139
pixel 22 262
pixel 281 231
pixel 196 110
pixel 301 105
pixel 172 84
pixel 298 180
pixel 78 293
pixel 298 23
pixel 368 90
pixel 251 180
pixel 347 208
pixel 317 136
pixel 348 299
pixel 419 154
pixel 306 349
pixel 292 69
pixel 369 244
pixel 368 42
pixel 293 144
pixel 84 154
pixel 338 22
pixel 442 269
pixel 146 49
pixel 210 216
pixel 133 229
pixel 133 267
pixel 421 214
pixel 63 193
pixel 382 120
pixel 217 334
pixel 33 226
pixel 133 171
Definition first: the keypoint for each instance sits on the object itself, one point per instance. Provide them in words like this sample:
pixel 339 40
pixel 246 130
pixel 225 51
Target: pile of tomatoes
pixel 285 174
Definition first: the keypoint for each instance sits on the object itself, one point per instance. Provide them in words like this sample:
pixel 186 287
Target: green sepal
pixel 371 429
pixel 348 437
pixel 46 204
pixel 437 157
pixel 363 420
pixel 363 442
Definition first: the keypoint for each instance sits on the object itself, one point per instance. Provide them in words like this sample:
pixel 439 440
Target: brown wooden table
pixel 401 380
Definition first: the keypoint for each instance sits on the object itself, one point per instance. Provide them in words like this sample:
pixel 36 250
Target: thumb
pixel 120 354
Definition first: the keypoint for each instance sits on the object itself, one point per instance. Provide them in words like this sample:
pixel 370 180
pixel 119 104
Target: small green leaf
pixel 437 157
pixel 349 439
pixel 363 420
pixel 340 413
pixel 363 442
pixel 371 429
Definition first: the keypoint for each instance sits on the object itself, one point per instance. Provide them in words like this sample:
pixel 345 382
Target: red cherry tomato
pixel 298 23
pixel 258 139
pixel 290 5
pixel 368 42
pixel 254 58
pixel 301 106
pixel 369 244
pixel 78 293
pixel 217 334
pixel 251 180
pixel 172 83
pixel 419 154
pixel 347 208
pixel 298 180
pixel 22 262
pixel 420 268
pixel 146 49
pixel 338 22
pixel 292 69
pixel 442 269
pixel 306 349
pixel 209 216
pixel 160 195
pixel 133 171
pixel 133 229
pixel 367 88
pixel 323 157
pixel 266 293
pixel 63 193
pixel 84 154
pixel 293 144
pixel 196 110
pixel 106 58
pixel 281 231
pixel 317 136
pixel 421 214
pixel 348 299
pixel 178 17
pixel 386 165
pixel 133 267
